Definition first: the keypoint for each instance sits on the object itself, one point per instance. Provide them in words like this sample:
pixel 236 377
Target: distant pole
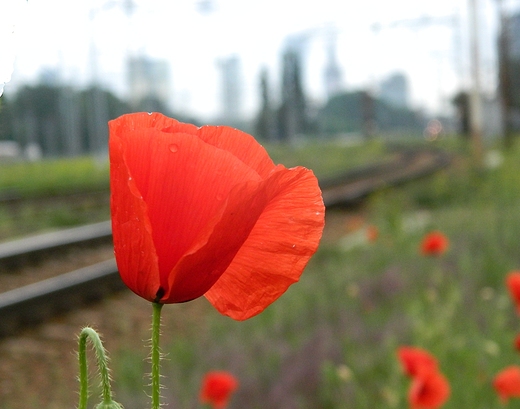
pixel 475 107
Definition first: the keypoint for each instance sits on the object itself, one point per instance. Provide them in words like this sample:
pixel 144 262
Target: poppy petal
pixel 214 249
pixel 513 285
pixel 434 244
pixel 279 246
pixel 131 230
pixel 429 391
pixel 507 383
pixel 217 388
pixel 416 360
pixel 152 120
pixel 241 145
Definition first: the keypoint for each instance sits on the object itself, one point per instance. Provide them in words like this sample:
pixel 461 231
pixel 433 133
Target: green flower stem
pixel 102 360
pixel 156 355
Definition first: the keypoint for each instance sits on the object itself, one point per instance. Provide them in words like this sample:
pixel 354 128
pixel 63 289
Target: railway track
pixel 34 303
pixel 14 254
pixel 351 187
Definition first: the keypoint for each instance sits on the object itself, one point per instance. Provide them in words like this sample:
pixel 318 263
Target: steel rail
pixel 34 303
pixel 354 185
pixel 15 253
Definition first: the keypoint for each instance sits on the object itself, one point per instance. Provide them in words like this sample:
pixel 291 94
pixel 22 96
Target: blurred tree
pixel 35 117
pixel 342 113
pixel 63 121
pixel 510 93
pixel 57 119
pixel 292 115
pixel 152 104
pixel 508 71
pixel 6 119
pixel 461 102
pixel 98 106
pixel 368 103
pixel 264 127
pixel 347 112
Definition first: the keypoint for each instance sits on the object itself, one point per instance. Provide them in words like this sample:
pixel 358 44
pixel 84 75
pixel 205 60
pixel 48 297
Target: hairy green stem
pixel 102 360
pixel 156 355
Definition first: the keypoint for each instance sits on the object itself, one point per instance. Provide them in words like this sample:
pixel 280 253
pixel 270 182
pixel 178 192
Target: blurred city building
pixel 332 73
pixel 230 88
pixel 49 76
pixel 395 90
pixel 149 83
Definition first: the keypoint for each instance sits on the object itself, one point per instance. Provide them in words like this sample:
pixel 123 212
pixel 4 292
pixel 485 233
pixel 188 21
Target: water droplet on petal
pixel 173 148
pixel 220 196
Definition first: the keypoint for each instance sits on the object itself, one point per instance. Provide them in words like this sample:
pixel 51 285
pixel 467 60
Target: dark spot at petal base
pixel 159 295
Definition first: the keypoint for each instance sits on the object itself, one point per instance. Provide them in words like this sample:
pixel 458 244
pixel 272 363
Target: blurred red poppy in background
pixel 217 387
pixel 205 211
pixel 430 390
pixel 416 360
pixel 434 244
pixel 517 343
pixel 507 383
pixel 513 285
pixel 372 233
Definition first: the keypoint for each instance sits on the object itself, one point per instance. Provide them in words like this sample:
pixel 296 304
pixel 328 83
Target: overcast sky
pixel 426 40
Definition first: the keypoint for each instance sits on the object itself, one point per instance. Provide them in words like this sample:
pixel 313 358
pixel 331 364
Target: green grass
pixel 327 159
pixel 58 176
pixel 331 340
pixel 34 181
pixel 34 184
pixel 50 177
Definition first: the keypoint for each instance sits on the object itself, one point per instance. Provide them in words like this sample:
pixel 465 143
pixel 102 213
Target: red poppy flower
pixel 513 284
pixel 517 343
pixel 416 361
pixel 507 383
pixel 217 387
pixel 434 244
pixel 429 390
pixel 372 233
pixel 204 211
